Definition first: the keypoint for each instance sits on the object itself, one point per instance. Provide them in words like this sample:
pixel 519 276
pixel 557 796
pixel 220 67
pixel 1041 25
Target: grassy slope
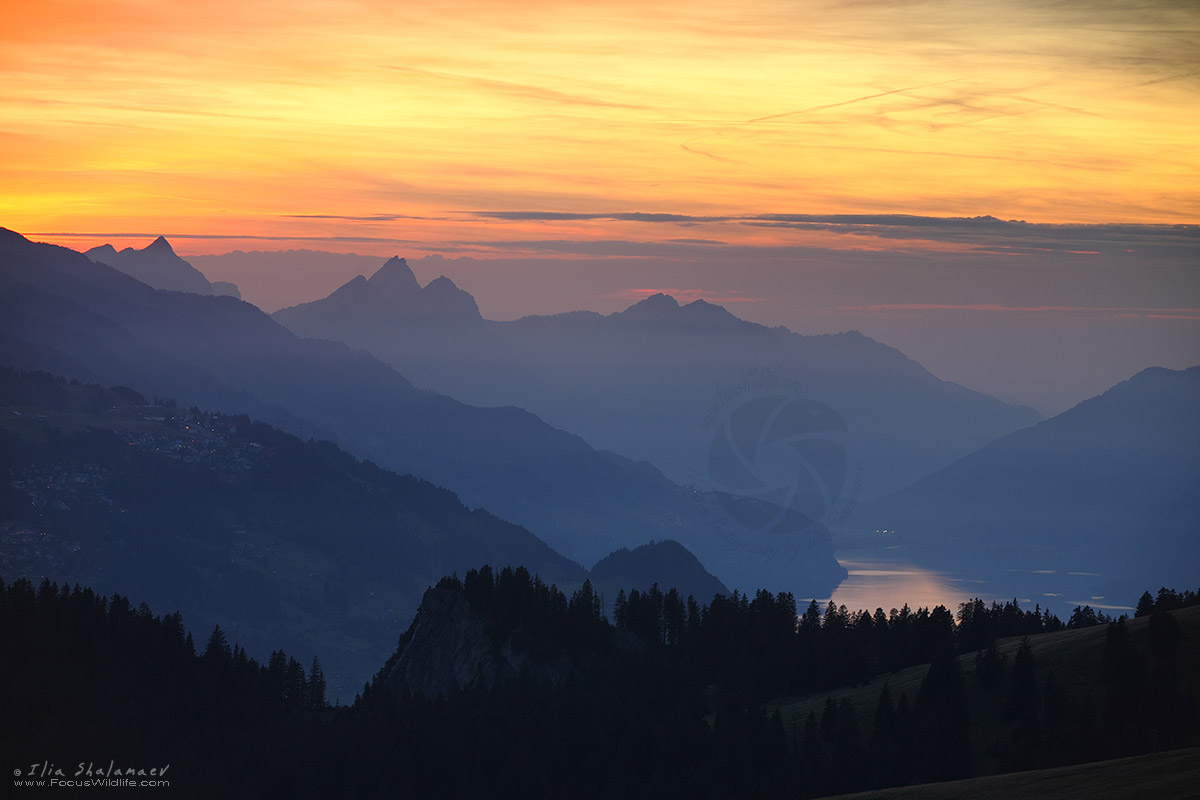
pixel 1074 656
pixel 1175 774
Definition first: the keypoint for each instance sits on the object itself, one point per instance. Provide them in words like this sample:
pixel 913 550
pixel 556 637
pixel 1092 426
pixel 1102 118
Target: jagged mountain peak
pixel 395 278
pixel 702 309
pixel 656 306
pixel 159 245
pixel 156 264
pixel 441 283
pixel 664 308
pixel 658 300
pixel 443 297
pixel 104 253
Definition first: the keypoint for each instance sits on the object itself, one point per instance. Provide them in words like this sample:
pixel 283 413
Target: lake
pixel 880 579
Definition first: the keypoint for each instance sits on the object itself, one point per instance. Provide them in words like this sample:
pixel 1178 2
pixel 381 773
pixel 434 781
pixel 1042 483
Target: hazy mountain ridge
pixel 62 310
pixel 392 294
pixel 262 529
pixel 412 327
pixel 640 381
pixel 278 279
pixel 660 366
pixel 158 265
pixel 1109 486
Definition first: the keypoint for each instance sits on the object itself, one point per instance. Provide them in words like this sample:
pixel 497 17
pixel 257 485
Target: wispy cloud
pixel 981 231
pixel 242 115
pixel 1169 78
pixel 232 237
pixel 366 218
pixel 629 216
pixel 724 236
pixel 513 89
pixel 1118 312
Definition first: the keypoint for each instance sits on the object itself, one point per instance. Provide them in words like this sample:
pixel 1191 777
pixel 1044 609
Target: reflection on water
pixel 881 584
pixel 882 579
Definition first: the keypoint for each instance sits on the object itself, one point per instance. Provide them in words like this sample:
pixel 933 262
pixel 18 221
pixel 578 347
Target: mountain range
pixel 865 438
pixel 68 315
pixel 248 475
pixel 237 524
pixel 157 265
pixel 437 328
pixel 644 382
pixel 1107 489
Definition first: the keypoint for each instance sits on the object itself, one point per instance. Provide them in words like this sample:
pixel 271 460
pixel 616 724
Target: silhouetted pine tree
pixel 1145 605
pixel 882 749
pixel 941 722
pixel 989 665
pixel 316 685
pixel 1021 708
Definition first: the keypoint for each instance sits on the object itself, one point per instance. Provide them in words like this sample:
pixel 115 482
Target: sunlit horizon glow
pixel 406 126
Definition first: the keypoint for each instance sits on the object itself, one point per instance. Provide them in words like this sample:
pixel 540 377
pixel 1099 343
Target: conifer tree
pixel 316 685
pixel 217 650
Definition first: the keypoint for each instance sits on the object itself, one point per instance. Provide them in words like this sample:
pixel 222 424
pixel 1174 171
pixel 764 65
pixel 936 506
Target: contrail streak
pixel 847 102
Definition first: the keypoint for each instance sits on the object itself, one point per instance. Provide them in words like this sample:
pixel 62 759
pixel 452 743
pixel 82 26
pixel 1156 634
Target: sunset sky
pixel 373 120
pixel 664 131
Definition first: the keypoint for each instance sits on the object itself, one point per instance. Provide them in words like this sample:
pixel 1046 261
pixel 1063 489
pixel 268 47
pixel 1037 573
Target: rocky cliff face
pixel 450 648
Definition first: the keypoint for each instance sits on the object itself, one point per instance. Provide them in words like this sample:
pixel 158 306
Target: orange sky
pixel 378 120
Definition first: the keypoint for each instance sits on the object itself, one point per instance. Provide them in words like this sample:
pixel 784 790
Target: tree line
pixel 665 700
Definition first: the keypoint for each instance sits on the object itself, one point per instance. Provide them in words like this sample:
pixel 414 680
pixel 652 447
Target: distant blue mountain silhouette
pixel 1111 486
pixel 639 382
pixel 62 312
pixel 158 265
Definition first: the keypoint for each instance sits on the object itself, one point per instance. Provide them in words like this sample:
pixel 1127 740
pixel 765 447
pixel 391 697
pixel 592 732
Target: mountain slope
pixel 64 312
pixel 667 564
pixel 1110 486
pixel 234 522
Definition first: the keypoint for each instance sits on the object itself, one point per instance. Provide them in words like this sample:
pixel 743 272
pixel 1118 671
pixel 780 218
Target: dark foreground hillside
pixel 506 687
pixel 1074 695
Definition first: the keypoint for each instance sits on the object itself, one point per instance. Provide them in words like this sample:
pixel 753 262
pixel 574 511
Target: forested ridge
pixel 288 543
pixel 667 700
